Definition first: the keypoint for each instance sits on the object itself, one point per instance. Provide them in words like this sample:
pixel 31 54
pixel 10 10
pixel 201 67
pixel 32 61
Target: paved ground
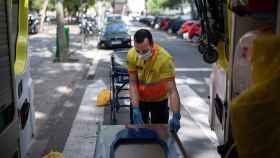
pixel 58 89
pixel 65 110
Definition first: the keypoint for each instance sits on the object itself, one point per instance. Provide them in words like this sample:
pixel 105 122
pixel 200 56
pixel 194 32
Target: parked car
pixel 157 21
pixel 112 18
pixel 176 25
pixel 195 33
pixel 185 28
pixel 114 35
pixel 170 25
pixel 148 20
pixel 164 23
pixel 179 22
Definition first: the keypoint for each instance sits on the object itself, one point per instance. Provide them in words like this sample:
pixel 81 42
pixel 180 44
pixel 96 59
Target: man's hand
pixel 174 123
pixel 137 116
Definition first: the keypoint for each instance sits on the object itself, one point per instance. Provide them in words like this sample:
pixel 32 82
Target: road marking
pixel 197 108
pixel 190 81
pixel 207 81
pixel 82 138
pixel 193 69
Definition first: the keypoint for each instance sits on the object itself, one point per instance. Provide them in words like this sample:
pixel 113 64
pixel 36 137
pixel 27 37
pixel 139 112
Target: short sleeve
pixel 131 60
pixel 167 70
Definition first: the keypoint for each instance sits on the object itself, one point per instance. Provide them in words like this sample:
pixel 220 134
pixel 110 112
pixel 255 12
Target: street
pixel 65 107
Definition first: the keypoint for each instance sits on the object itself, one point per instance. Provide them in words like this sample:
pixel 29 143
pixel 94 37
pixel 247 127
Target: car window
pixel 113 18
pixel 118 27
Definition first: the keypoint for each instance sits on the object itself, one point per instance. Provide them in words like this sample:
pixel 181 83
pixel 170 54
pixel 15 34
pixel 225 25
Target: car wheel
pixel 210 56
pixel 202 48
pixel 195 39
pixel 103 46
pixel 169 31
pixel 99 46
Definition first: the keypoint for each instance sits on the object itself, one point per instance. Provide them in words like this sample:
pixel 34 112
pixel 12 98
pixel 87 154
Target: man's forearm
pixel 133 92
pixel 174 97
pixel 175 101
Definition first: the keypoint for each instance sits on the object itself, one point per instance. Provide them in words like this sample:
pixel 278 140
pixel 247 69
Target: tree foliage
pixel 172 3
pixel 155 6
pixel 70 5
pixel 175 3
pixel 36 5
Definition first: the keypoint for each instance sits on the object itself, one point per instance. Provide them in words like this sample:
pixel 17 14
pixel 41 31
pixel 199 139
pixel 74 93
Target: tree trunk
pixel 193 8
pixel 43 14
pixel 182 6
pixel 61 43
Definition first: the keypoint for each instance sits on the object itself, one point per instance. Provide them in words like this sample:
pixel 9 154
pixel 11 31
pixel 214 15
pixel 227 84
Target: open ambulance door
pixel 250 22
pixel 16 93
pixel 9 123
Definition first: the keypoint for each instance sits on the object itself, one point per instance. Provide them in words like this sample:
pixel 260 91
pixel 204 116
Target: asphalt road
pixel 189 63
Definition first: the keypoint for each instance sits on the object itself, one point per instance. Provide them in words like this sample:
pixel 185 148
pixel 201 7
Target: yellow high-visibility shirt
pixel 152 74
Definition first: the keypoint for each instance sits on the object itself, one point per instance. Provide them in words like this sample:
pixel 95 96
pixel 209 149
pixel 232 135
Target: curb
pixel 91 73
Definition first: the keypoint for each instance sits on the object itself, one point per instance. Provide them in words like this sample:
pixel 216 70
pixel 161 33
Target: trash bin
pixel 66 32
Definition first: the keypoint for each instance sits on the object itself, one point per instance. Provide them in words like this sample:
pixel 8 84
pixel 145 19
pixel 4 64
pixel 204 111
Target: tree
pixel 155 6
pixel 72 6
pixel 181 4
pixel 35 5
pixel 43 14
pixel 61 39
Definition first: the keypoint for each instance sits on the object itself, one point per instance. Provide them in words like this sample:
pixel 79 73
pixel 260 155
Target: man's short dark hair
pixel 141 34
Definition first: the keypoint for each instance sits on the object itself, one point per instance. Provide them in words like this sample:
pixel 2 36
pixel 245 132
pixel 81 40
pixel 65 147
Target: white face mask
pixel 145 56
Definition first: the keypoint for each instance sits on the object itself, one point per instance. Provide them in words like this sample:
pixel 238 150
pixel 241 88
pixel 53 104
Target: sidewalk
pixel 57 88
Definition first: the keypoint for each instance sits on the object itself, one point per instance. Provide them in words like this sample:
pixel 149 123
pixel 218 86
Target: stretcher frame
pixel 118 84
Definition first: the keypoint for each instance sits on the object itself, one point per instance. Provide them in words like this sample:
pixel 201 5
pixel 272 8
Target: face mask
pixel 145 56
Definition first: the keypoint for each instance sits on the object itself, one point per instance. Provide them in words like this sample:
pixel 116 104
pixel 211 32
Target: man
pixel 151 82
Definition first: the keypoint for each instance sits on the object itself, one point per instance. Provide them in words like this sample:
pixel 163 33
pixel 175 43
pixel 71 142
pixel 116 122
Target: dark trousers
pixel 159 111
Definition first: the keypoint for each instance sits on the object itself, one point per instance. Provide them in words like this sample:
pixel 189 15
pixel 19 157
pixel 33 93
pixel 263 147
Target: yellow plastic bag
pixel 103 98
pixel 54 155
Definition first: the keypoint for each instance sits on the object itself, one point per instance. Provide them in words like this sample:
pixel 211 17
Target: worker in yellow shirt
pixel 152 82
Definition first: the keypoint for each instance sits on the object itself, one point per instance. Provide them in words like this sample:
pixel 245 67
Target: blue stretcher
pixel 130 141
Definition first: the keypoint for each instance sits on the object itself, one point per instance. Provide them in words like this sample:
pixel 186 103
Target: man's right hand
pixel 137 116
